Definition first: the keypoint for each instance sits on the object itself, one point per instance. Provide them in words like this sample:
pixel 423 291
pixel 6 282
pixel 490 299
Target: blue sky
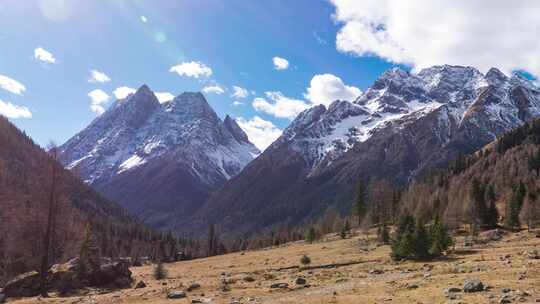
pixel 334 49
pixel 236 39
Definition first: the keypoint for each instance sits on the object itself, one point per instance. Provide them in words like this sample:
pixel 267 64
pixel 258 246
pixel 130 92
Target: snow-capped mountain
pixel 397 97
pixel 404 124
pixel 159 160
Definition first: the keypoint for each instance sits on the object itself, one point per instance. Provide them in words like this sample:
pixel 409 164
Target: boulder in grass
pixel 23 285
pixel 473 286
pixel 178 294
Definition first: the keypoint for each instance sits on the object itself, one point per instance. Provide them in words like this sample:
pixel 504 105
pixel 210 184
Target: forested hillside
pixel 36 193
pixel 498 184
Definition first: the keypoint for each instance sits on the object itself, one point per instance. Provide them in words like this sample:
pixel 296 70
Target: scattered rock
pixel 376 271
pixel 178 294
pixel 24 285
pixel 452 289
pixel 492 235
pixel 506 290
pixel 505 300
pixel 473 286
pixel 450 293
pixel 140 284
pixel 280 285
pixel 533 254
pixel 193 286
pixel 300 281
pixel 248 279
pixel 411 286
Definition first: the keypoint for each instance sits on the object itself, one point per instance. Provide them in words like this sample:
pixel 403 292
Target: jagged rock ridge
pixel 403 125
pixel 159 160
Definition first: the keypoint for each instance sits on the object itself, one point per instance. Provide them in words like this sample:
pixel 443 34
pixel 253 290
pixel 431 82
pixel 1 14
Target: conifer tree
pixel 440 239
pixel 160 272
pixel 345 230
pixel 310 235
pixel 383 235
pixel 534 162
pixel 479 208
pixel 422 242
pixel 513 207
pixel 360 206
pixel 492 212
pixel 402 242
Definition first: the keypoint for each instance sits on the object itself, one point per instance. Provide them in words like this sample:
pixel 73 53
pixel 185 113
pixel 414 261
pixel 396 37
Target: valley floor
pixel 247 277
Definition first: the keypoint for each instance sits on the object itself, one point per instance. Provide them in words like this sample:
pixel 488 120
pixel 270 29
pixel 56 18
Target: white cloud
pixel 194 69
pixel 326 88
pixel 280 63
pixel 239 92
pixel 10 110
pixel 11 85
pixel 164 96
pixel 144 19
pixel 97 76
pixel 237 103
pixel 123 92
pixel 279 105
pixel 260 132
pixel 44 55
pixel 98 99
pixel 213 89
pixel 422 33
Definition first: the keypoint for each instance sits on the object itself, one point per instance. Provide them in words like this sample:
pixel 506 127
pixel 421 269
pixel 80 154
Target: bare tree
pixel 51 212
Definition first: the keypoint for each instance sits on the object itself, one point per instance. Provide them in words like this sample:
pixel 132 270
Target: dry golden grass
pixel 349 284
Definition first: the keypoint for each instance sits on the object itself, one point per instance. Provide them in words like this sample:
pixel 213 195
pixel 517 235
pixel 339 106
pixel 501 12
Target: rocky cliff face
pixel 401 126
pixel 159 160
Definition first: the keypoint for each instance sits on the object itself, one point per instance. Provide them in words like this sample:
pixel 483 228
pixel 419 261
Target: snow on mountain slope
pixel 401 127
pixel 322 135
pixel 138 129
pixel 138 134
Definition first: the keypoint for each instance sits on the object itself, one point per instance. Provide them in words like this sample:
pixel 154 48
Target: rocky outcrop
pixel 68 277
pixel 160 161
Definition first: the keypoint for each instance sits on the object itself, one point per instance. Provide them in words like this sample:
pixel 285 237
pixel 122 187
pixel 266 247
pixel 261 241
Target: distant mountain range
pixel 159 160
pixel 404 125
pixel 179 166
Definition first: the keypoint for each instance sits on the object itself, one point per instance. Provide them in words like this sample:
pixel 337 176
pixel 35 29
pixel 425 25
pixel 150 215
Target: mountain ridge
pixel 154 158
pixel 401 127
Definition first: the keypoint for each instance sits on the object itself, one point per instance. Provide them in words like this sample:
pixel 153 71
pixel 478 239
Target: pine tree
pixel 422 242
pixel 513 207
pixel 345 230
pixel 479 203
pixel 212 241
pixel 360 206
pixel 402 241
pixel 492 212
pixel 440 239
pixel 160 272
pixel 310 235
pixel 383 235
pixel 534 162
pixel 305 260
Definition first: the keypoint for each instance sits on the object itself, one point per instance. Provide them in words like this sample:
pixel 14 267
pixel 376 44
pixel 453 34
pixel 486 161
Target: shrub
pixel 383 235
pixel 160 272
pixel 414 242
pixel 305 260
pixel 311 235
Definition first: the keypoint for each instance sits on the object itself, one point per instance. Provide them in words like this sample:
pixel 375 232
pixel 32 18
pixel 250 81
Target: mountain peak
pixel 494 76
pixel 232 126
